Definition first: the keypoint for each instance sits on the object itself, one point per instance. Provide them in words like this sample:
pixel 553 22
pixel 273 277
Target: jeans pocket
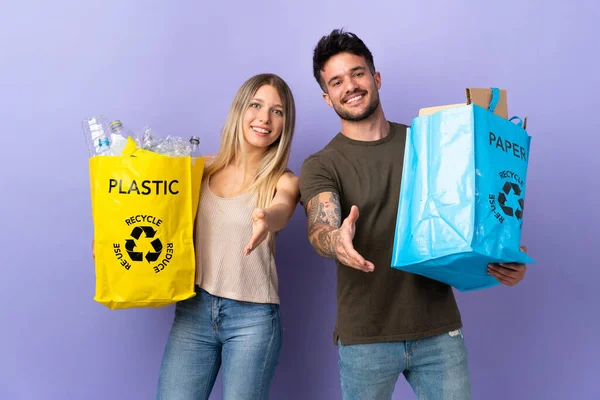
pixel 249 311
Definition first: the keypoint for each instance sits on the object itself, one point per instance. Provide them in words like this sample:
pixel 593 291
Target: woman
pixel 247 196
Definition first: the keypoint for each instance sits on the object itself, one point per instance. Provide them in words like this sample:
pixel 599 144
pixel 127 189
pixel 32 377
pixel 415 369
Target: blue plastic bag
pixel 462 195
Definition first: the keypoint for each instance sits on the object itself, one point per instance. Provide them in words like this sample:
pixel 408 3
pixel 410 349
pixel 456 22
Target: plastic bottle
pixel 119 135
pixel 104 148
pixel 195 146
pixel 147 141
pixel 117 128
pixel 195 149
pixel 96 134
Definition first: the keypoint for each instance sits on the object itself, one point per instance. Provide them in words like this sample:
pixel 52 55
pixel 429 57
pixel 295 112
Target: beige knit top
pixel 223 230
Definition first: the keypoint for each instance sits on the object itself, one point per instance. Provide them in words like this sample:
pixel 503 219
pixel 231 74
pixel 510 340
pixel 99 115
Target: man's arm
pixel 329 235
pixel 324 220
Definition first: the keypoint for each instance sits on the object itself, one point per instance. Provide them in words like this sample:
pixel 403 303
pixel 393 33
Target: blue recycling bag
pixel 462 195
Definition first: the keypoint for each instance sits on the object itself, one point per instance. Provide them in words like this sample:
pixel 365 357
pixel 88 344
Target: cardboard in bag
pixel 480 97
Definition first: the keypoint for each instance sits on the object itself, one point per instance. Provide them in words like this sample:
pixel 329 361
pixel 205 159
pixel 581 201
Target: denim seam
pixel 214 320
pixel 208 387
pixel 418 390
pixel 269 349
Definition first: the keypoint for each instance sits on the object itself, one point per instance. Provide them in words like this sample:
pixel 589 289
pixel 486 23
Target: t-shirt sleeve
pixel 315 178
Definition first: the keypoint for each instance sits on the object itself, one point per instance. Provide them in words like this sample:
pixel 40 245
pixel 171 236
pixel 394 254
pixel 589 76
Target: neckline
pixel 377 142
pixel 244 193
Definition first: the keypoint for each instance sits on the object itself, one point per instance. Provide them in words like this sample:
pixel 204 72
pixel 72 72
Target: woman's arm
pixel 284 203
pixel 275 217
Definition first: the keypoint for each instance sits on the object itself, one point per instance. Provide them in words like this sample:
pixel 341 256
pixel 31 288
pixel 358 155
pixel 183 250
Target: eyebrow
pixel 262 101
pixel 352 70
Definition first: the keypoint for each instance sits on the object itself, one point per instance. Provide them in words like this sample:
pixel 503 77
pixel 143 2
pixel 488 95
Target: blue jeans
pixel 435 367
pixel 211 332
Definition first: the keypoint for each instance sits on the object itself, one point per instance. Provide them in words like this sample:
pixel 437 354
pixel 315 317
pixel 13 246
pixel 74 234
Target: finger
pixel 345 241
pixel 499 271
pixel 251 245
pixel 355 260
pixel 519 268
pixel 349 262
pixel 346 258
pixel 523 249
pixel 255 241
pixel 353 216
pixel 351 252
pixel 248 250
pixel 502 277
pixel 512 266
pixel 360 261
pixel 363 269
pixel 505 281
pixel 259 213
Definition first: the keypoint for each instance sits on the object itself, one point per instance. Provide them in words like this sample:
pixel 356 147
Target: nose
pixel 264 115
pixel 351 86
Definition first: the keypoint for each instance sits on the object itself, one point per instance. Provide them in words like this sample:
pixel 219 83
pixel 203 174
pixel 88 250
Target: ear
pixel 327 99
pixel 377 77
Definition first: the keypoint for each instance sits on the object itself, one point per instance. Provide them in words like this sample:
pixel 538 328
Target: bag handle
pixel 520 123
pixel 494 102
pixel 495 99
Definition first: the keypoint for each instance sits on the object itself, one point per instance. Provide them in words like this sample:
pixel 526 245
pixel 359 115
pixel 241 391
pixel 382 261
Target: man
pixel 388 321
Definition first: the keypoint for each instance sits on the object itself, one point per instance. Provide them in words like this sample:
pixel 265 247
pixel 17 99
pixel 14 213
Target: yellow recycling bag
pixel 144 205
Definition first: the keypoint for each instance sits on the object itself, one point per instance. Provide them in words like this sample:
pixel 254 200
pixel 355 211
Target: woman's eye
pixel 278 112
pixel 255 105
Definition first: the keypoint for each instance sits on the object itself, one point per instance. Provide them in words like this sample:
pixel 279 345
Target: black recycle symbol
pixel 131 244
pixel 502 196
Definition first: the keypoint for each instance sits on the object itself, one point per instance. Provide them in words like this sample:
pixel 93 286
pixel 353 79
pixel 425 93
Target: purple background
pixel 176 66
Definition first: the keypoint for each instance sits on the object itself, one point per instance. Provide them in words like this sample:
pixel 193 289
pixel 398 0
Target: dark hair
pixel 337 42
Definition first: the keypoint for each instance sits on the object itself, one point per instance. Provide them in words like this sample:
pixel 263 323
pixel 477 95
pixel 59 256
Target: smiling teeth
pixel 353 99
pixel 260 130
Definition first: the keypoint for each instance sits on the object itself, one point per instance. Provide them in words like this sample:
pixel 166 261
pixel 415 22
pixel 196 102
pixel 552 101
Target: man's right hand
pixel 344 249
pixel 331 237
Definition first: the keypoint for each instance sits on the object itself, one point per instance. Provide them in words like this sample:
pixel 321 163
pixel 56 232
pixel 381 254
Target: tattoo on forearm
pixel 324 219
pixel 325 210
pixel 336 212
pixel 313 210
pixel 323 239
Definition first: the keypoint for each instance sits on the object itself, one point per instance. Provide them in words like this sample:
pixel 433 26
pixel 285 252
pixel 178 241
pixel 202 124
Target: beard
pixel 348 116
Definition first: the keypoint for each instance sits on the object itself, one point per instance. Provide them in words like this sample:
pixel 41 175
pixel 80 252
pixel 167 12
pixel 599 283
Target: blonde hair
pixel 275 159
